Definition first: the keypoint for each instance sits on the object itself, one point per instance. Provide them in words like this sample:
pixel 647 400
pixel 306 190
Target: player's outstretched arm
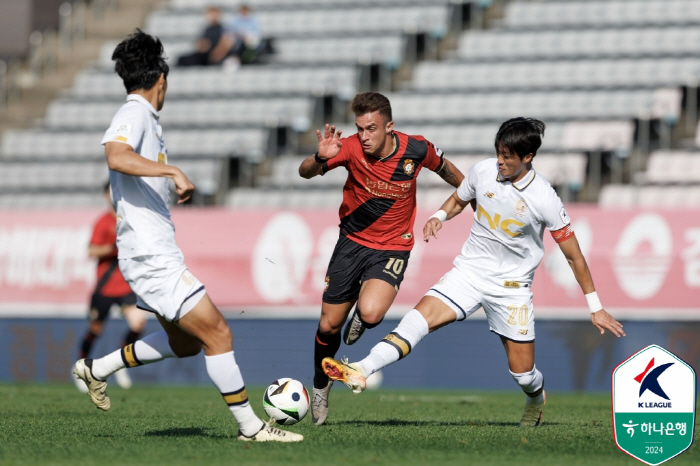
pixel 600 318
pixel 450 208
pixel 329 146
pixel 450 174
pixel 122 158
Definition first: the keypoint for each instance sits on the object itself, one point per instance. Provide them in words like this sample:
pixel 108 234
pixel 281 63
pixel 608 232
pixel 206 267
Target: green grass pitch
pixel 56 425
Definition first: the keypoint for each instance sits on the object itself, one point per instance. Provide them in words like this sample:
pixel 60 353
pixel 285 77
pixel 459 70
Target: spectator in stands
pixel 209 45
pixel 111 290
pixel 243 39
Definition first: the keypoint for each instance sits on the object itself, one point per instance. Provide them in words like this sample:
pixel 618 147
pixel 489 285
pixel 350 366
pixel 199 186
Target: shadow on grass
pixel 398 422
pixel 183 432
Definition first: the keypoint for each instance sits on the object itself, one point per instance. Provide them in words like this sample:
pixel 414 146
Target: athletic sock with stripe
pixel 152 348
pixel 226 375
pixel 410 331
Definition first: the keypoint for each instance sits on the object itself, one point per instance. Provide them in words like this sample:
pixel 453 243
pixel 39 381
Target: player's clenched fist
pixel 183 187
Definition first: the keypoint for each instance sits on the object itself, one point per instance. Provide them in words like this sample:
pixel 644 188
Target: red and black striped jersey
pixel 379 196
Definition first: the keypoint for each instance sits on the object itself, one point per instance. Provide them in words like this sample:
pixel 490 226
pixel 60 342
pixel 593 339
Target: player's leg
pixel 454 297
pixel 99 311
pixel 510 315
pixel 381 280
pixel 136 322
pixel 326 344
pixel 206 323
pixel 342 288
pixel 429 315
pixel 521 362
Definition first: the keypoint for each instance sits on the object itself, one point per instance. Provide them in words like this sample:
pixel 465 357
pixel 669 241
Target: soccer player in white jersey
pixel 514 205
pixel 149 259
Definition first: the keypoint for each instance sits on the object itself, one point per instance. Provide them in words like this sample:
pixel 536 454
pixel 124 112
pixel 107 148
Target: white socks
pixel 410 331
pixel 532 384
pixel 151 348
pixel 226 375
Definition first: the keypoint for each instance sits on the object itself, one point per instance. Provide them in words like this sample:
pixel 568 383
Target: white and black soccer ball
pixel 286 401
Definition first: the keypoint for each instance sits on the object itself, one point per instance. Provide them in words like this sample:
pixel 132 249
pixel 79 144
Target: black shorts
pixel 352 264
pixel 100 305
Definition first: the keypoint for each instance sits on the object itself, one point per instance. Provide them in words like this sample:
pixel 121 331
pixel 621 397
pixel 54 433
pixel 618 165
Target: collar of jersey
pixel 520 184
pixel 141 100
pixel 393 153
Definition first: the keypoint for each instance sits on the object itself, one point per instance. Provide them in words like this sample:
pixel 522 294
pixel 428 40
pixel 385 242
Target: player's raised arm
pixel 450 208
pixel 451 174
pixel 122 158
pixel 599 316
pixel 329 146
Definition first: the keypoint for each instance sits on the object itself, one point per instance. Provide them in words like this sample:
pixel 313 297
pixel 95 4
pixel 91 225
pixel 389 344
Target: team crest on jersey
pixel 328 283
pixel 408 166
pixel 520 208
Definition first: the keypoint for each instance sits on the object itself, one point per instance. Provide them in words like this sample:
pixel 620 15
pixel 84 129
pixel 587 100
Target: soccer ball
pixel 286 401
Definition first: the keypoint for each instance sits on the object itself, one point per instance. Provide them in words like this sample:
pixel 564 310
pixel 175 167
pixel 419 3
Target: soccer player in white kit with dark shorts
pixel 149 259
pixel 514 205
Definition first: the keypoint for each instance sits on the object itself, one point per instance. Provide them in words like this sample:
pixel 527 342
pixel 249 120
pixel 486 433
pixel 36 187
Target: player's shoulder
pixel 131 110
pixel 486 166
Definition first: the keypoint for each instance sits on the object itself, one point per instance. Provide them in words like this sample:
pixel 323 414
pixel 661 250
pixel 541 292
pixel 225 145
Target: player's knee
pixel 529 381
pixel 372 312
pixel 329 326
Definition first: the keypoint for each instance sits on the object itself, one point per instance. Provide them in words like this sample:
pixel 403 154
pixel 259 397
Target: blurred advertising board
pixel 272 263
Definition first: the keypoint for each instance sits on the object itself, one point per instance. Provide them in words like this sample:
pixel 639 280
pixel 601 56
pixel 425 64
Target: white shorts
pixel 508 310
pixel 162 284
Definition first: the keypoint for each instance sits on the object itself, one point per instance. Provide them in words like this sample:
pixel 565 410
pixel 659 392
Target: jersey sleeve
pixel 467 188
pixel 553 212
pixel 128 127
pixel 435 159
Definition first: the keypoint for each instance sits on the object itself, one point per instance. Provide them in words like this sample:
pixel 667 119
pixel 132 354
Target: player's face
pixel 511 166
pixel 374 133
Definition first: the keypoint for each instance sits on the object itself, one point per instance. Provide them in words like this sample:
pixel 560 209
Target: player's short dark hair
pixel 140 61
pixel 369 102
pixel 520 136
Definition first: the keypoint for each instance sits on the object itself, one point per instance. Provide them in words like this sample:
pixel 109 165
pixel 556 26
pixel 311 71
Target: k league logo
pixel 653 400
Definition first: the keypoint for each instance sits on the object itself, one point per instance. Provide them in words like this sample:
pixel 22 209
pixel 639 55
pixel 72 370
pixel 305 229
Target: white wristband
pixel 440 215
pixel 593 302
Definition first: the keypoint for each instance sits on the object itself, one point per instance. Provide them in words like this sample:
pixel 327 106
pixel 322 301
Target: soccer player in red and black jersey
pixel 111 289
pixel 376 224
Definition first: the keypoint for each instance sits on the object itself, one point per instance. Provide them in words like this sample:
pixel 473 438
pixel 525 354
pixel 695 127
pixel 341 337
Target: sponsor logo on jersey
pixel 489 194
pixel 188 278
pixel 407 236
pixel 120 138
pixel 522 331
pixel 520 208
pixel 162 158
pixel 408 166
pixel 511 284
pixel 495 222
pixel 387 189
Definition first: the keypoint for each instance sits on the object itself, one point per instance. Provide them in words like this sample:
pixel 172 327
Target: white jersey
pixel 505 244
pixel 141 202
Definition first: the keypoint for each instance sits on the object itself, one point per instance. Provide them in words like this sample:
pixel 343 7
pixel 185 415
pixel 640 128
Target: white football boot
pixel 319 404
pixel 271 434
pixel 97 389
pixel 532 417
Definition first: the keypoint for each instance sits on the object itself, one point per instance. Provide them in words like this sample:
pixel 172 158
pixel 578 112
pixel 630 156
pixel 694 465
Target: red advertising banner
pixel 645 264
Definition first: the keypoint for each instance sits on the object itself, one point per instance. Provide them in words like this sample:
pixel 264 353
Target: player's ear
pixel 528 158
pixel 389 127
